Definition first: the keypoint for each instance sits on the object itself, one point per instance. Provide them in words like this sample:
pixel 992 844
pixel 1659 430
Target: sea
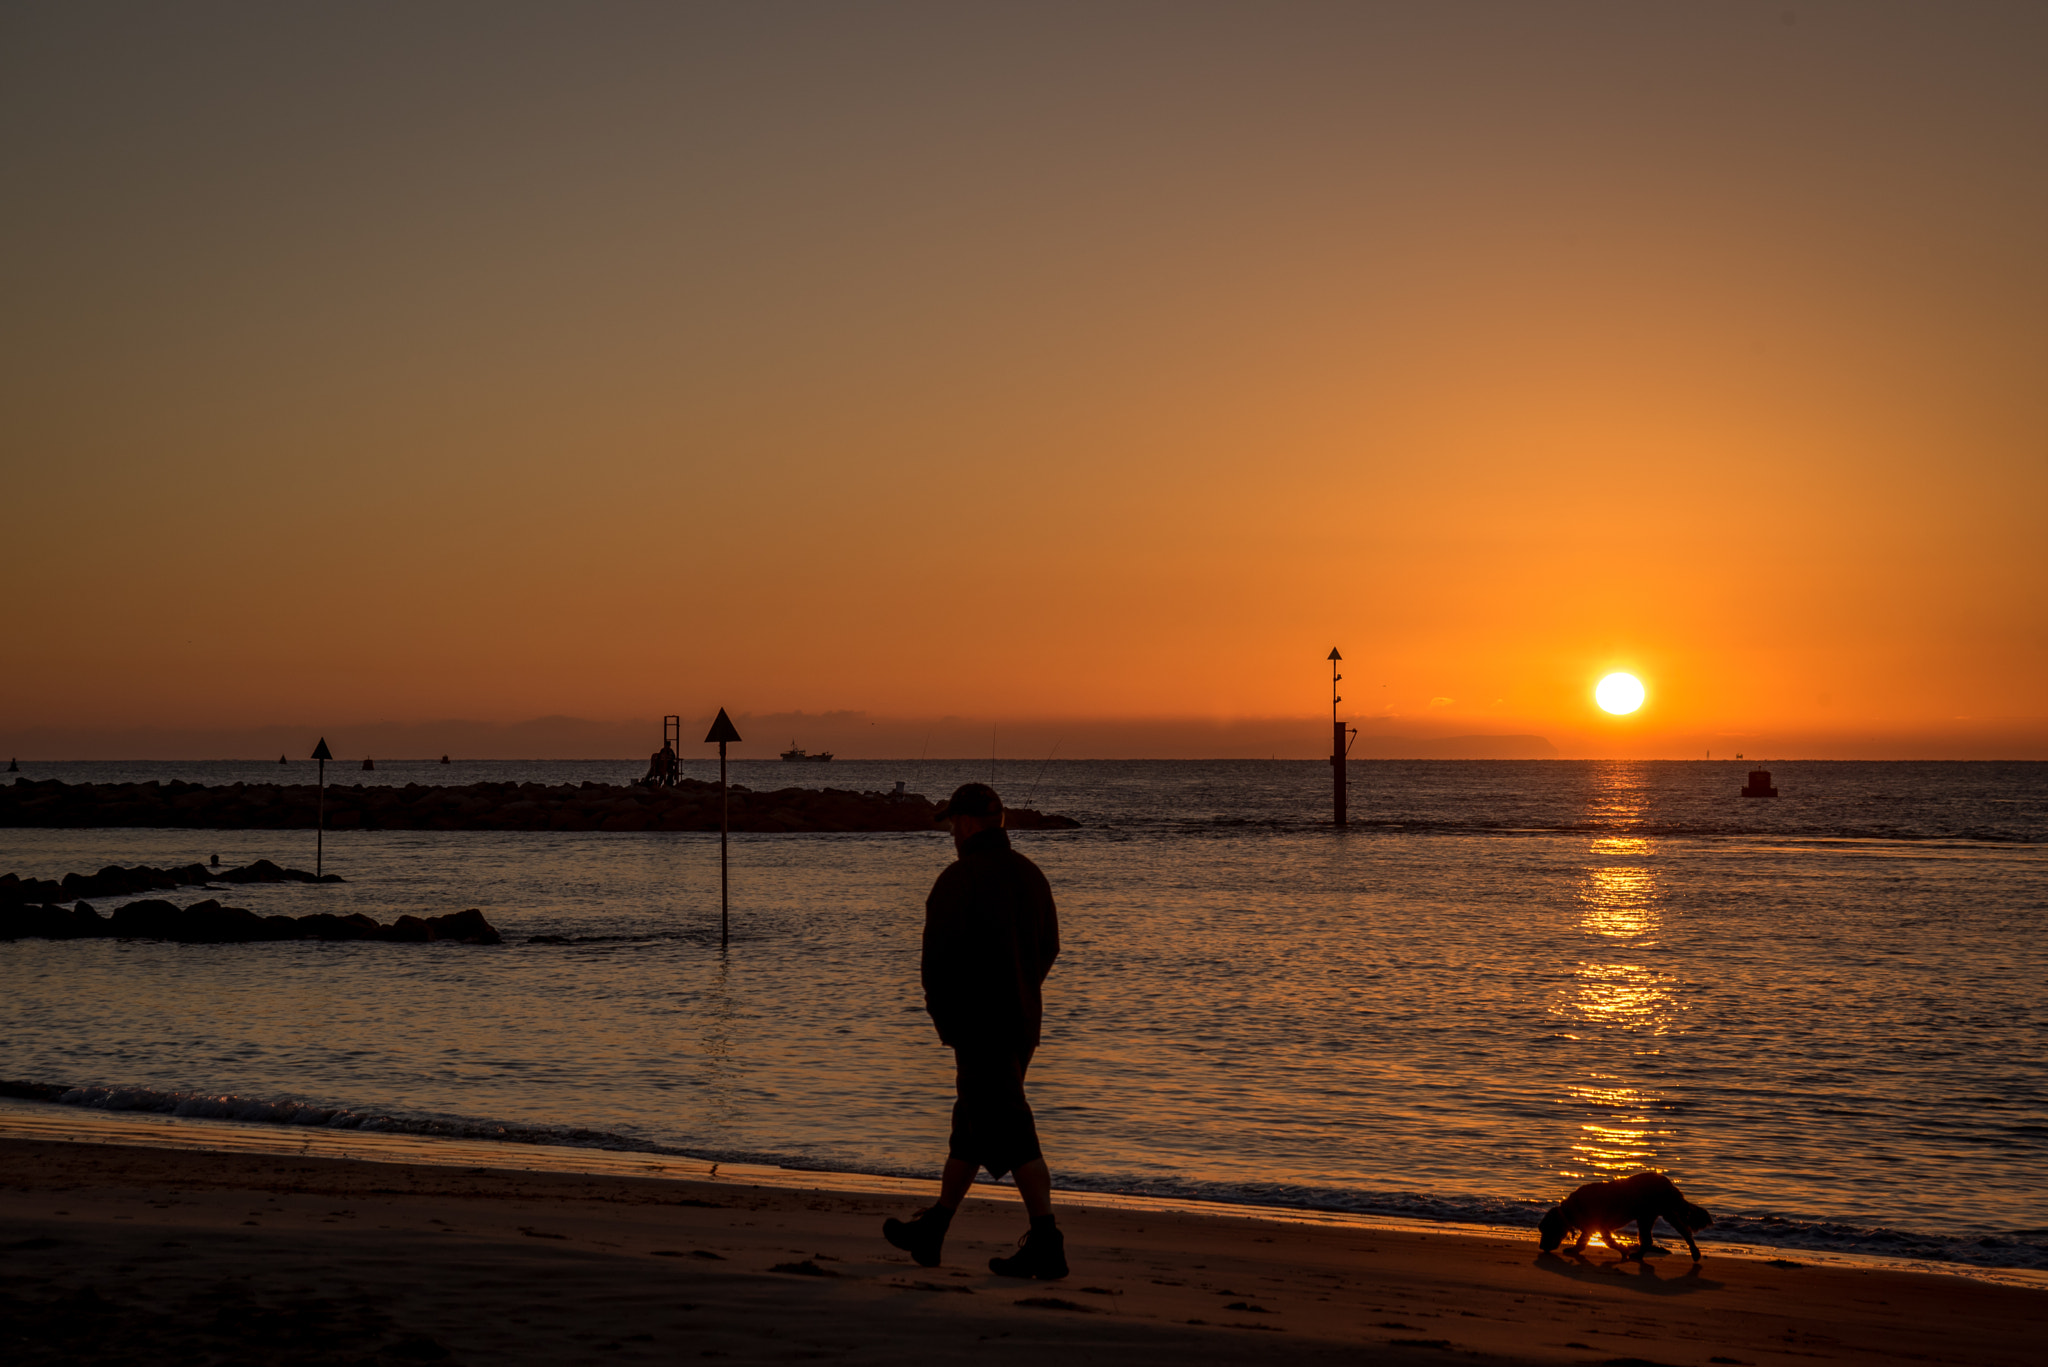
pixel 1824 1014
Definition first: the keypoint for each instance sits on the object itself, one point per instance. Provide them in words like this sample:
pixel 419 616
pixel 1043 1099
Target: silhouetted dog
pixel 1604 1207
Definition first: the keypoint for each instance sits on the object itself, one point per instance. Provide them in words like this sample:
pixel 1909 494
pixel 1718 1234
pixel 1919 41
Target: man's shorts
pixel 992 1124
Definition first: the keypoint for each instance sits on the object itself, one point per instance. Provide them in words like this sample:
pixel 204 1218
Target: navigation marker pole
pixel 323 754
pixel 722 731
pixel 1340 745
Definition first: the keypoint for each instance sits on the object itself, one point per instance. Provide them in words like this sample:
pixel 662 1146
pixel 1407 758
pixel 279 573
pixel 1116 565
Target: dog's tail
pixel 1551 1228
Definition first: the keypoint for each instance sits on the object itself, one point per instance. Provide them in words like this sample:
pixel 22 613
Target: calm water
pixel 1824 1015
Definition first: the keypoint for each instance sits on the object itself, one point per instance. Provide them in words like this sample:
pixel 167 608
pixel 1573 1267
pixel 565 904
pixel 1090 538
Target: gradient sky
pixel 1035 361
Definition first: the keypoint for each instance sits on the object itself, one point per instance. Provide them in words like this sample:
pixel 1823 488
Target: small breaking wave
pixel 2025 1249
pixel 256 1111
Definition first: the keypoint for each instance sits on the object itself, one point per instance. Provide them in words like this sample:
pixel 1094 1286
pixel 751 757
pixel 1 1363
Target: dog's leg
pixel 1695 1248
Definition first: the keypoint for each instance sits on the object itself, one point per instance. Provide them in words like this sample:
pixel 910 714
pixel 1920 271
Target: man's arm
pixel 939 966
pixel 1048 925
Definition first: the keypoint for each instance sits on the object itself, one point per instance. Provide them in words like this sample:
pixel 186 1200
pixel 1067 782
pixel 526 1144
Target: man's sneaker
pixel 921 1237
pixel 1041 1255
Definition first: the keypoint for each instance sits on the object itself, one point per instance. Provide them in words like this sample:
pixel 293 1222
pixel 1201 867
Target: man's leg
pixel 1043 1250
pixel 1034 1184
pixel 1043 1253
pixel 954 1180
pixel 923 1237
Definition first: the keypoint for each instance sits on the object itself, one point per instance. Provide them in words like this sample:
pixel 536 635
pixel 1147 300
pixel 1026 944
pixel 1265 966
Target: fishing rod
pixel 1033 795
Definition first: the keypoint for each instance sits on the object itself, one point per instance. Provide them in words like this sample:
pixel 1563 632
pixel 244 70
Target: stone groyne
pixel 690 806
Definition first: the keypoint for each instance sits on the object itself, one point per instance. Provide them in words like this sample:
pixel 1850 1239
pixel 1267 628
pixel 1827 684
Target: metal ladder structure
pixel 672 741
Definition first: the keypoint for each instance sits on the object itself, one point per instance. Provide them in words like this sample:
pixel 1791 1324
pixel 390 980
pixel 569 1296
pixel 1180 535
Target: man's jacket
pixel 991 933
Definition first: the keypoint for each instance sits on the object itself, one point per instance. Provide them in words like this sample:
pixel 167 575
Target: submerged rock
pixel 210 923
pixel 116 881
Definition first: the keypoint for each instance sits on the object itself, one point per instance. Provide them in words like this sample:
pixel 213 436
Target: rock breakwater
pixel 691 806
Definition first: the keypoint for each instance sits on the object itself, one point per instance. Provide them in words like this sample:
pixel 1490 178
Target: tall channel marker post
pixel 1340 742
pixel 722 731
pixel 323 754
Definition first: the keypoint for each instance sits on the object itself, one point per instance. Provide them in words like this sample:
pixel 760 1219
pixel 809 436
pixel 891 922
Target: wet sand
pixel 116 1252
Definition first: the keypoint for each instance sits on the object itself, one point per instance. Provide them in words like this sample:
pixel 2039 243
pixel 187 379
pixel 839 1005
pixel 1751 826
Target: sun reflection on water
pixel 1619 999
pixel 1617 903
pixel 1621 905
pixel 1621 794
pixel 1621 1137
pixel 1626 996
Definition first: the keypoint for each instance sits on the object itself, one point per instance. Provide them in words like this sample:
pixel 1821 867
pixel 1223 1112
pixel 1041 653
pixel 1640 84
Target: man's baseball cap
pixel 971 799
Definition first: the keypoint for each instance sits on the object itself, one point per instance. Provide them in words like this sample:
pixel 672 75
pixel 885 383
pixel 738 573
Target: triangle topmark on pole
pixel 722 731
pixel 323 754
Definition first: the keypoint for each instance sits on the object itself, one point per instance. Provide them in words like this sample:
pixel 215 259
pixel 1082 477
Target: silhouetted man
pixel 662 768
pixel 991 933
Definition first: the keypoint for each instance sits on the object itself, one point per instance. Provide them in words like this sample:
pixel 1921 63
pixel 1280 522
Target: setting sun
pixel 1619 693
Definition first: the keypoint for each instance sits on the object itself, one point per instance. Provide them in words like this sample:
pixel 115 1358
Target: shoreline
pixel 116 1250
pixel 55 1122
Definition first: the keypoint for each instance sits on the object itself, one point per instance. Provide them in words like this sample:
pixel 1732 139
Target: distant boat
pixel 792 753
pixel 369 764
pixel 444 759
pixel 1759 784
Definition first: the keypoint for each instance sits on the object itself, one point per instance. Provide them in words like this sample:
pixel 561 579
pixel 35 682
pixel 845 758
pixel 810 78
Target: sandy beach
pixel 169 1242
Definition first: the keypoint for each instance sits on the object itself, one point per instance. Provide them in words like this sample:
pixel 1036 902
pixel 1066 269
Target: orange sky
pixel 1036 363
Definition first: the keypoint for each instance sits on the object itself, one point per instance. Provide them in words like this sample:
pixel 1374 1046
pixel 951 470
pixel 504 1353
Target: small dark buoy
pixel 1759 784
pixel 12 767
pixel 216 861
pixel 444 759
pixel 282 760
pixel 368 765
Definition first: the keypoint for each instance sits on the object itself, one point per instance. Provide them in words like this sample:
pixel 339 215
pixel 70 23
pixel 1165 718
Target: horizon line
pixel 436 760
